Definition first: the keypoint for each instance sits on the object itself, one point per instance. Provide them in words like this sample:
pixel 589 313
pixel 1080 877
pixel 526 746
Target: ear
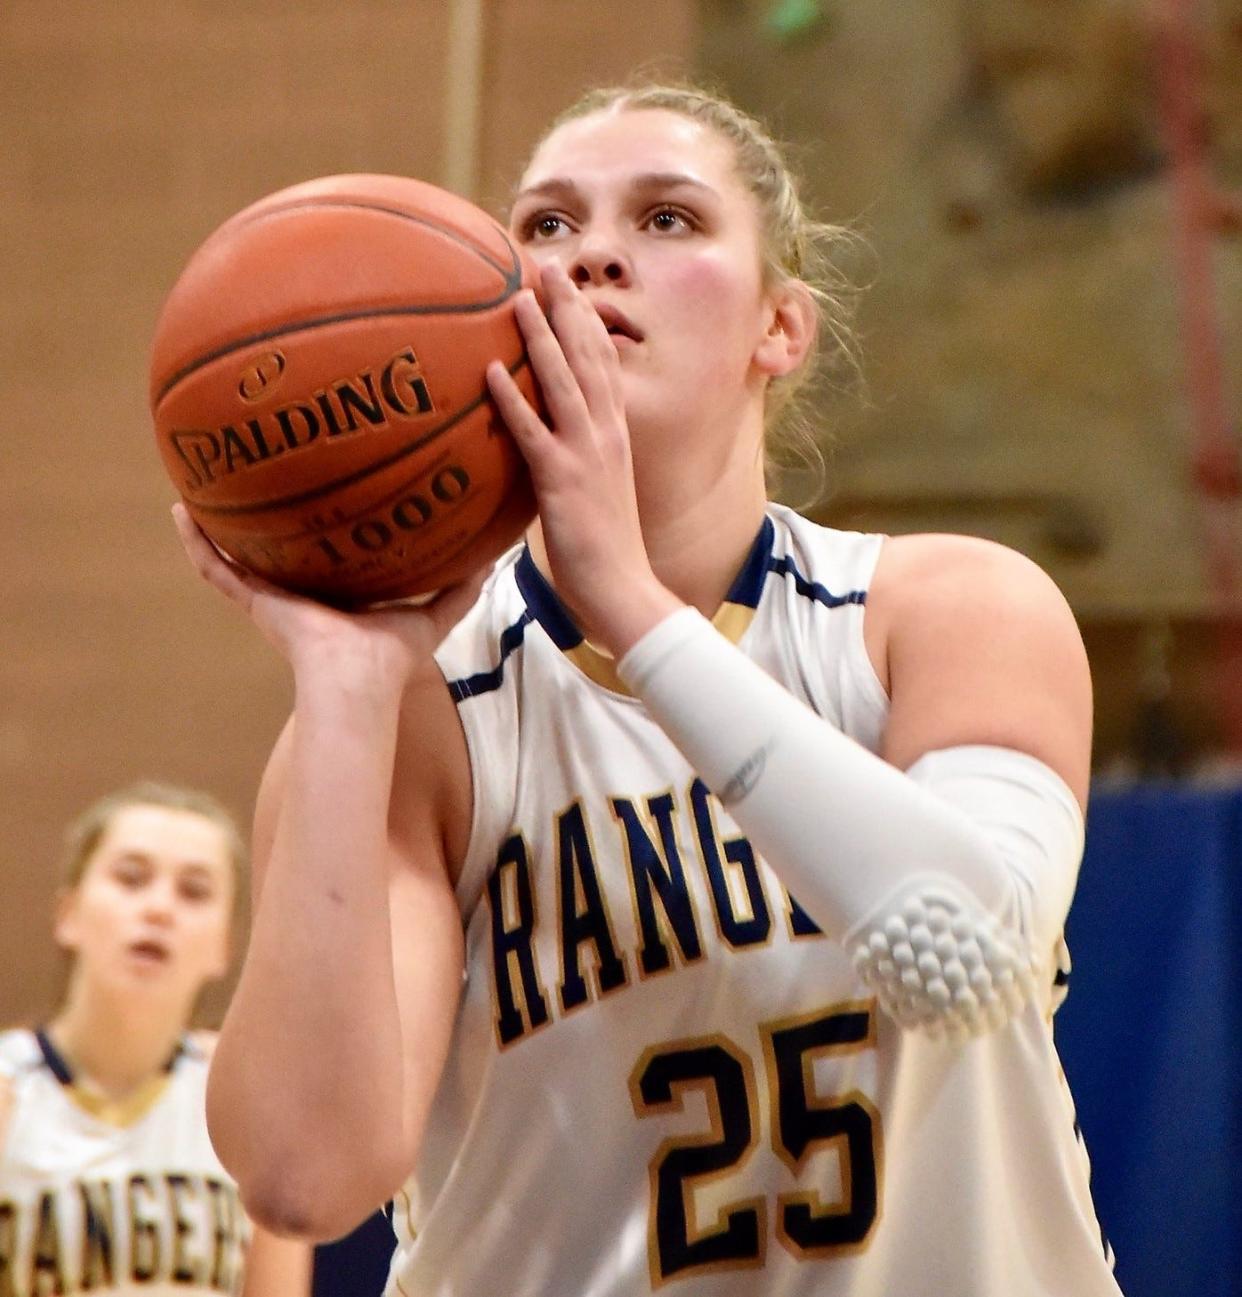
pixel 791 330
pixel 64 919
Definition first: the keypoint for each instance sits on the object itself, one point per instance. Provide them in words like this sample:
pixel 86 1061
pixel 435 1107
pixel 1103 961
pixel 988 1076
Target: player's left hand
pixel 581 464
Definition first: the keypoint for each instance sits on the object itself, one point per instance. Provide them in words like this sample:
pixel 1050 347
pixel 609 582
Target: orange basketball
pixel 318 391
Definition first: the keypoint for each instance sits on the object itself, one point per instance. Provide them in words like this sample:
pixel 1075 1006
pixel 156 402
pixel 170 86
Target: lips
pixel 617 322
pixel 147 948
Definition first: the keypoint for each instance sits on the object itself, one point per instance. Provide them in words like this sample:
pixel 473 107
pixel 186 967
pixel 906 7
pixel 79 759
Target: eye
pixel 670 220
pixel 131 873
pixel 196 889
pixel 541 226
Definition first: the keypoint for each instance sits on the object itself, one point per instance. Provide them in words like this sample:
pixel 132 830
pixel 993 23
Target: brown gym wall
pixel 129 131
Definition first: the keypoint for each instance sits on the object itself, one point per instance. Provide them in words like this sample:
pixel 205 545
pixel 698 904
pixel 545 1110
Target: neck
pixel 698 520
pixel 110 1047
pixel 697 545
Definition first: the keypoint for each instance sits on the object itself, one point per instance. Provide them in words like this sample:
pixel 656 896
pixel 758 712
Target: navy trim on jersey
pixel 551 614
pixel 483 682
pixel 544 603
pixel 53 1058
pixel 748 586
pixel 60 1069
pixel 812 589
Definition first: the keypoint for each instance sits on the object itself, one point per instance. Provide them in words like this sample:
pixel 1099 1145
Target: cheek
pixel 103 913
pixel 708 277
pixel 209 932
pixel 713 292
pixel 92 932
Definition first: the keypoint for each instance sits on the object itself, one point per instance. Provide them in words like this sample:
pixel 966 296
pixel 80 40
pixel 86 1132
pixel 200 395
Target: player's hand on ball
pixel 391 643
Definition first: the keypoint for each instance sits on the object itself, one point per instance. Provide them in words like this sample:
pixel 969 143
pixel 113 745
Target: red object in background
pixel 1215 462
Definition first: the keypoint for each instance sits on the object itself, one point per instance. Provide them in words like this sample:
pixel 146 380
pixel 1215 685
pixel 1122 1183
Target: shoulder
pixel 479 641
pixel 200 1045
pixel 977 645
pixel 961 586
pixel 18 1053
pixel 969 567
pixel 6 1108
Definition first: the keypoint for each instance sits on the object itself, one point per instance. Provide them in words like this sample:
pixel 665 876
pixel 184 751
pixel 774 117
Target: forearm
pixel 307 1076
pixel 855 840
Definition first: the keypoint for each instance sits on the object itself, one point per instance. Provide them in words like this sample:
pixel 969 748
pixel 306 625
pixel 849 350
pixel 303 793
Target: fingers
pixel 558 380
pixel 528 429
pixel 230 580
pixel 571 354
pixel 581 336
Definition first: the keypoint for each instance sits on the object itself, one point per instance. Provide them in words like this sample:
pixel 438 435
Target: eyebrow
pixel 559 186
pixel 191 866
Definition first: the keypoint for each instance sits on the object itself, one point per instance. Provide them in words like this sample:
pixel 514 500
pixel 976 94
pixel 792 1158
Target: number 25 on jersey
pixel 801 1124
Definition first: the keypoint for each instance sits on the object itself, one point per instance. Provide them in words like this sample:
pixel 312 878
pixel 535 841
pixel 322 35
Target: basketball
pixel 318 393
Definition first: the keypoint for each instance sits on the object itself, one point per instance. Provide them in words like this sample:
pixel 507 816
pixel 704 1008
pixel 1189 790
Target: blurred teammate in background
pixel 754 840
pixel 108 1182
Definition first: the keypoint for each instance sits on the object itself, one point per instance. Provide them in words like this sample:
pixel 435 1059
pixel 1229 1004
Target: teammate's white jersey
pixel 663 1075
pixel 124 1198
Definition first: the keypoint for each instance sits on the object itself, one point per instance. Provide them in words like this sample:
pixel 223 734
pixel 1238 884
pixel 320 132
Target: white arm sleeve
pixel 948 883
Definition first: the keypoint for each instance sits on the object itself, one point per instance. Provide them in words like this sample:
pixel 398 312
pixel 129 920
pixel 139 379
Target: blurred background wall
pixel 1051 334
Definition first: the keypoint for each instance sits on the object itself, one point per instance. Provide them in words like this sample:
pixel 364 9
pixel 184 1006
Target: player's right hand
pixel 389 645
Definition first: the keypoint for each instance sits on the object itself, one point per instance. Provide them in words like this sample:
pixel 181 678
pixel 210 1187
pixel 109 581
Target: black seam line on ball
pixel 512 278
pixel 360 204
pixel 315 493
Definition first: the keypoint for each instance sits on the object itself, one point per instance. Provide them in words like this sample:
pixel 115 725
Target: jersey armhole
pixel 487 799
pixel 862 669
pixel 203 1041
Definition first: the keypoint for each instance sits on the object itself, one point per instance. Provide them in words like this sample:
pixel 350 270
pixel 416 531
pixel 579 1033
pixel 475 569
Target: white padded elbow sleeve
pixel 938 961
pixel 947 883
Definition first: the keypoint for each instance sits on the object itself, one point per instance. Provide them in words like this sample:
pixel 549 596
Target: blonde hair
pixel 794 246
pixel 84 834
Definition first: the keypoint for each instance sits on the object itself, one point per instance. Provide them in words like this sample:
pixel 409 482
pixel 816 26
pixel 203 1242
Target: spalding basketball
pixel 318 391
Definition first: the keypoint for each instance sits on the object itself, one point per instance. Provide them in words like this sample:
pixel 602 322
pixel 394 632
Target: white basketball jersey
pixel 122 1198
pixel 664 1075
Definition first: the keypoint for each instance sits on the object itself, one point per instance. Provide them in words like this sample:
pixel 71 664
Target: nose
pixel 158 905
pixel 597 260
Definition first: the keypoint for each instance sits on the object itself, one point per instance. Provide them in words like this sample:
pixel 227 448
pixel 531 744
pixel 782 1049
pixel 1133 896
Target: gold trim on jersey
pixel 124 1111
pixel 513 855
pixel 579 857
pixel 117 1233
pixel 811 1104
pixel 794 934
pixel 675 1104
pixel 667 936
pixel 732 620
pixel 735 875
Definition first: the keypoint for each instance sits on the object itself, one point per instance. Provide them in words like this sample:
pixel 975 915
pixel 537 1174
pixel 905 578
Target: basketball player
pixel 701 935
pixel 108 1182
